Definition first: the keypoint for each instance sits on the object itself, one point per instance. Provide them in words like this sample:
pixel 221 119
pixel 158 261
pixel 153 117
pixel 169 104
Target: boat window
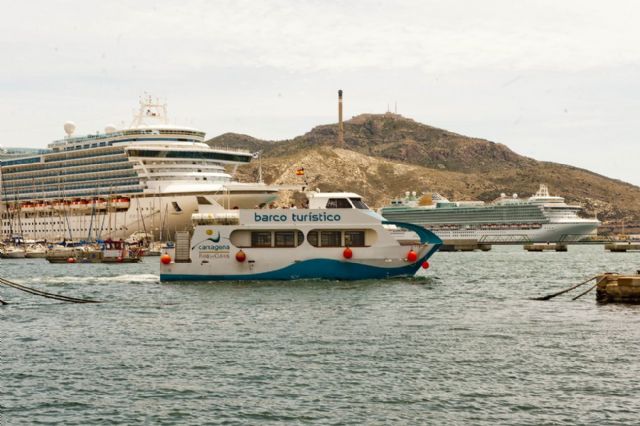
pixel 176 207
pixel 312 237
pixel 203 201
pixel 358 203
pixel 285 239
pixel 261 239
pixel 330 238
pixel 354 238
pixel 338 203
pixel 289 238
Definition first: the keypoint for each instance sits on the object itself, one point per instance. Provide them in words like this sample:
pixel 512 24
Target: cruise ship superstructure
pixel 146 178
pixel 539 218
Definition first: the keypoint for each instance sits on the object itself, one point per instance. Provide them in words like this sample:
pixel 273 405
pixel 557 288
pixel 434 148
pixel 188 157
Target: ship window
pixel 285 238
pixel 354 238
pixel 330 239
pixel 312 237
pixel 176 207
pixel 338 203
pixel 358 204
pixel 261 239
pixel 203 201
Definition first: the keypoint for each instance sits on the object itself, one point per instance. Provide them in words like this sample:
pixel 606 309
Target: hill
pixel 385 155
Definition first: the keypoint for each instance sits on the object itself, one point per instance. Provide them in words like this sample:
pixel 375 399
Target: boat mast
pixel 150 110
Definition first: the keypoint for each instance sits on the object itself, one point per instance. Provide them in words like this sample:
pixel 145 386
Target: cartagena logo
pixel 213 235
pixel 211 243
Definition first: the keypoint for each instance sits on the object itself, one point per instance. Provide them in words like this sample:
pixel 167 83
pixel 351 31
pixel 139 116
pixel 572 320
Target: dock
pixel 618 288
pixel 539 247
pixel 622 246
pixel 464 245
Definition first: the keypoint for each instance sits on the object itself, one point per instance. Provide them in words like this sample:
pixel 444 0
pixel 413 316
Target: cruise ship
pixel 142 179
pixel 508 219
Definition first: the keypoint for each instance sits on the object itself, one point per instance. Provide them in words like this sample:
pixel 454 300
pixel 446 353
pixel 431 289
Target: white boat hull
pixel 225 252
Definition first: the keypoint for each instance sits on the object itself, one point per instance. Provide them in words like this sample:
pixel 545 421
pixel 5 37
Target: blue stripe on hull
pixel 314 268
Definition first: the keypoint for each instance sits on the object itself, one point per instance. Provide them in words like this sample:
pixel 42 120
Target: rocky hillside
pixel 386 155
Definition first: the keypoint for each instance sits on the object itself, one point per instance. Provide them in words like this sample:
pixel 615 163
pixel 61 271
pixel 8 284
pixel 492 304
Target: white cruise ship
pixel 540 218
pixel 145 179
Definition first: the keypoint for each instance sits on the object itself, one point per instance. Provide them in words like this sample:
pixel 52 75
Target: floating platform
pixel 464 245
pixel 617 288
pixel 622 246
pixel 545 247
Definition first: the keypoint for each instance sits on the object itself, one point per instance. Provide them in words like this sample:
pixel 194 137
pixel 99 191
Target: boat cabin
pixel 335 200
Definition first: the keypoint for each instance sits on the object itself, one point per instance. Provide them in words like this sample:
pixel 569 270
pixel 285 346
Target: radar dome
pixel 69 127
pixel 110 128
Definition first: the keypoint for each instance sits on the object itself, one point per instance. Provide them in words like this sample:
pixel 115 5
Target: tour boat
pixel 336 237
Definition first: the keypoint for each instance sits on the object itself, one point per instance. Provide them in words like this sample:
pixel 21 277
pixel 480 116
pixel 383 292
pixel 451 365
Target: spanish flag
pixel 300 171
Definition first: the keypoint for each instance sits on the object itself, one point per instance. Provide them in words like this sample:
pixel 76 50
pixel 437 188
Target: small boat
pixel 28 207
pixel 107 251
pixel 99 204
pixel 77 205
pixel 36 251
pixel 13 252
pixel 336 237
pixel 155 249
pixel 42 206
pixel 120 203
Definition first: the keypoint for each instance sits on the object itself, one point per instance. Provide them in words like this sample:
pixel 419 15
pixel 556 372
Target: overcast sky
pixel 556 81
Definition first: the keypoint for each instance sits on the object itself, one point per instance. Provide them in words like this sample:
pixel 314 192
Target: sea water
pixel 463 343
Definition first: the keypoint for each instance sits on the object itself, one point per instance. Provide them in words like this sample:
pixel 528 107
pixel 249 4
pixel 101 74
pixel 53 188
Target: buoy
pixel 241 256
pixel 412 256
pixel 425 265
pixel 347 253
pixel 165 259
pixel 71 260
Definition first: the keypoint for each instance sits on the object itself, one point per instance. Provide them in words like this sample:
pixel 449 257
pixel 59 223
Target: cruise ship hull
pixel 146 178
pixel 567 232
pixel 540 218
pixel 157 215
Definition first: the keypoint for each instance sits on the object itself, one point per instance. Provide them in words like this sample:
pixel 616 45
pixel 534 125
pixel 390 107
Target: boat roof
pixel 333 195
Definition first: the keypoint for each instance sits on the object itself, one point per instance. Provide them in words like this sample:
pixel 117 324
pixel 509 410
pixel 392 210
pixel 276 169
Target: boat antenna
pixel 150 110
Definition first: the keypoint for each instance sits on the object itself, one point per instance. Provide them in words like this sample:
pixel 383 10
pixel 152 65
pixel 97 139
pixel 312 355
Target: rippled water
pixel 462 344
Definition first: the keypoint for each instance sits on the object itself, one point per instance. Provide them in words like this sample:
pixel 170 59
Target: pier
pixel 622 246
pixel 464 245
pixel 617 288
pixel 539 247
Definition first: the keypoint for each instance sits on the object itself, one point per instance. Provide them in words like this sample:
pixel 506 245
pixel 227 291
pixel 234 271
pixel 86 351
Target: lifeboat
pixel 101 204
pixel 58 205
pixel 77 205
pixel 28 207
pixel 121 203
pixel 66 205
pixel 42 206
